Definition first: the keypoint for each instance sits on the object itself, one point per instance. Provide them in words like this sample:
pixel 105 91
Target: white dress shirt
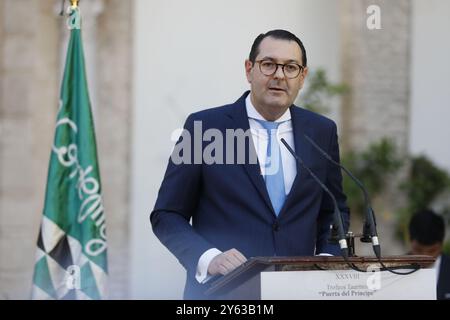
pixel 260 140
pixel 437 267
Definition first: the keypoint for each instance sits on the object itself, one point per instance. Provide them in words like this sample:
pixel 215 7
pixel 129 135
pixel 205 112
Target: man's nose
pixel 279 73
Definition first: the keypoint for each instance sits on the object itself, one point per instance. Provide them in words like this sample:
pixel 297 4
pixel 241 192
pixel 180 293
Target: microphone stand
pixel 337 215
pixel 369 230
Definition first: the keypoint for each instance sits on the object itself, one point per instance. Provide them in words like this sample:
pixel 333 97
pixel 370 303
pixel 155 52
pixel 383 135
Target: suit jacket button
pixel 275 227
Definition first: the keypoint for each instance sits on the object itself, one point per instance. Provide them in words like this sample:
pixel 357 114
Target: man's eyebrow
pixel 267 58
pixel 273 59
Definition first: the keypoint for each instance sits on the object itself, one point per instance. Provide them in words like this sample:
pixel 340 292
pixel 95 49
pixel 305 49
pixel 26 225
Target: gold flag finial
pixel 74 3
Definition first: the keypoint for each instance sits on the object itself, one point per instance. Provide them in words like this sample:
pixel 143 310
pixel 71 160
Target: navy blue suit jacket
pixel 443 285
pixel 229 204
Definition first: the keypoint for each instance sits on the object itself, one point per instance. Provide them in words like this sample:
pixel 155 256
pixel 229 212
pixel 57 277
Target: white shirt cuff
pixel 202 275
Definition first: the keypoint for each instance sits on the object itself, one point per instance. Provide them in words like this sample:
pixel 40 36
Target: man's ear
pixel 305 72
pixel 303 77
pixel 248 70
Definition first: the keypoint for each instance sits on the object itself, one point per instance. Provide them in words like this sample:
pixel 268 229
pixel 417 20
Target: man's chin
pixel 278 102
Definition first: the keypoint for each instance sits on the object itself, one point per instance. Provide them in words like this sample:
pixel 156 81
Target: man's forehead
pixel 280 49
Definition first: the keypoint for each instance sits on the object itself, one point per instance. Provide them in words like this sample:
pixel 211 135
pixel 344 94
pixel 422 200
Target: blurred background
pixel 152 62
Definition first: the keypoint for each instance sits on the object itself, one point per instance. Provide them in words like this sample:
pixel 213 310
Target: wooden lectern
pixel 244 283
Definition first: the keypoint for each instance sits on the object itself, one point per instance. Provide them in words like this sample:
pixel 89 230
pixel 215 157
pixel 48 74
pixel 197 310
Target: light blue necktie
pixel 274 175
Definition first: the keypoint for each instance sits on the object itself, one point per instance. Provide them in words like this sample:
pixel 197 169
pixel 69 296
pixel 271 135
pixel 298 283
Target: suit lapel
pixel 240 117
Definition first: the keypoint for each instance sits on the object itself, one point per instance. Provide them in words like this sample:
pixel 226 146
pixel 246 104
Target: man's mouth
pixel 277 89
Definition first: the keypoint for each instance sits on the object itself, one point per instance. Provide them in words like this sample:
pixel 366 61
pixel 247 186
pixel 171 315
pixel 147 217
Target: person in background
pixel 427 234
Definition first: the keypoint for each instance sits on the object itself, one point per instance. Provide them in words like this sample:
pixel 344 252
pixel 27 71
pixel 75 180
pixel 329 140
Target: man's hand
pixel 226 262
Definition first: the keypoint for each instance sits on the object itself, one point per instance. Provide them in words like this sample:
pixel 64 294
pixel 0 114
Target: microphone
pixel 337 215
pixel 369 230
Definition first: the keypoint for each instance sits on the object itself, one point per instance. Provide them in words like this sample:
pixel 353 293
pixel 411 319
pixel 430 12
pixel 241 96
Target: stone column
pixel 376 66
pixel 28 105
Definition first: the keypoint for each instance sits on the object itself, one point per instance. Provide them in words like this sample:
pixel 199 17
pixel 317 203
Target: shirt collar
pixel 254 114
pixel 437 262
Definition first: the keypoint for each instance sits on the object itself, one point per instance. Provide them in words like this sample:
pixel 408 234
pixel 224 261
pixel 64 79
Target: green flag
pixel 71 260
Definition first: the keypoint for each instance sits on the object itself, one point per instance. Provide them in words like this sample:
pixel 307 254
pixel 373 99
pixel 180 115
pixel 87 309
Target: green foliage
pixel 371 166
pixel 374 165
pixel 446 248
pixel 425 181
pixel 319 91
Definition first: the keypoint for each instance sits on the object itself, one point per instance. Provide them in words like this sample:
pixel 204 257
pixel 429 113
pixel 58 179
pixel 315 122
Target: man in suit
pixel 251 199
pixel 427 234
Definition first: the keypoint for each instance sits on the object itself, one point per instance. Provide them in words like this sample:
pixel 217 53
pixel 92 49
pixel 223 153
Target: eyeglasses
pixel 291 70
